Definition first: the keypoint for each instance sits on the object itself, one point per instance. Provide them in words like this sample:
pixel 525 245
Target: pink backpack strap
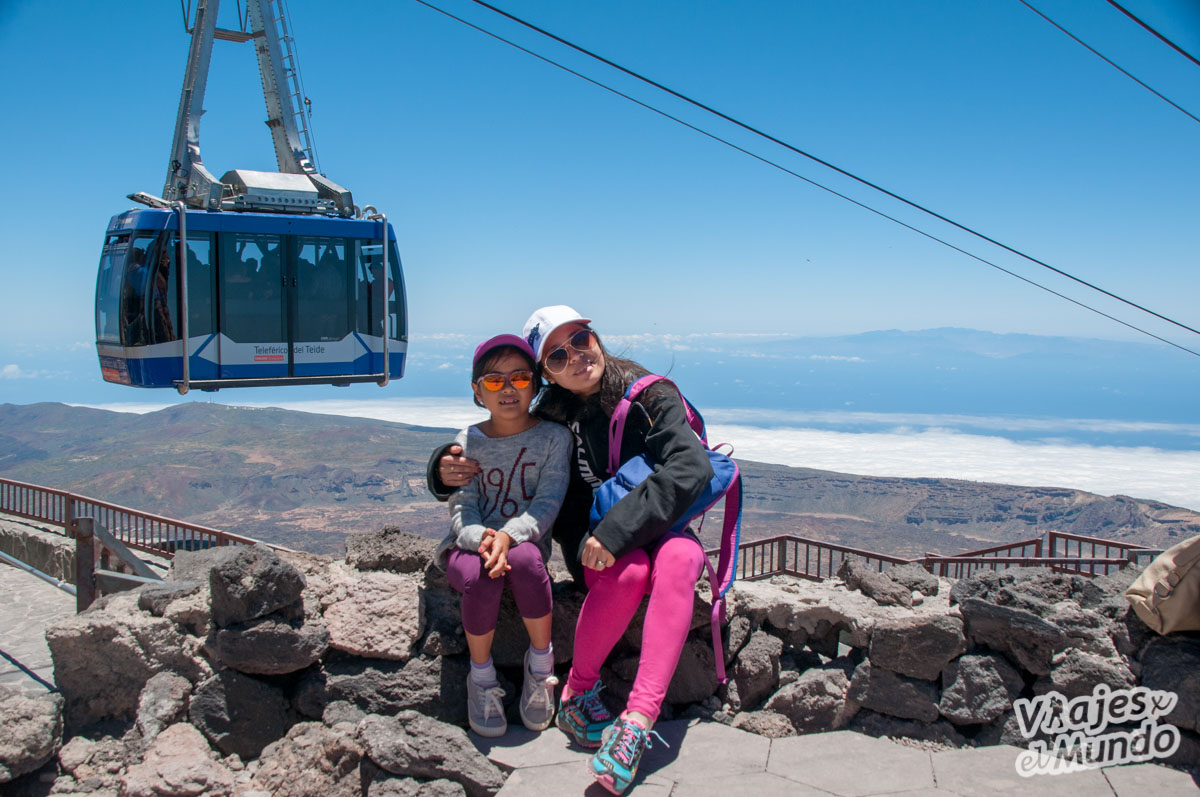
pixel 616 426
pixel 720 582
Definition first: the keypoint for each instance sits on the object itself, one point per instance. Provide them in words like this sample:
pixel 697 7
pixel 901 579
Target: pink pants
pixel 668 572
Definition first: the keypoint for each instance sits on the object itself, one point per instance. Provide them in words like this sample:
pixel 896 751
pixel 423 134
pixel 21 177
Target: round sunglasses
pixel 582 341
pixel 493 383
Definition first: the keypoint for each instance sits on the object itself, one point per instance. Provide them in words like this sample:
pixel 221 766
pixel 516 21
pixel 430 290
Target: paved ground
pixel 699 759
pixel 695 760
pixel 27 606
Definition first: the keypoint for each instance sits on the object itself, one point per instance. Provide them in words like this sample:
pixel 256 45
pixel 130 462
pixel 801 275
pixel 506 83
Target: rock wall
pixel 247 664
pixel 53 554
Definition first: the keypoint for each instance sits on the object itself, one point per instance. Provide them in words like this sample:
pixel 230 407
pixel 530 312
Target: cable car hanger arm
pixel 189 181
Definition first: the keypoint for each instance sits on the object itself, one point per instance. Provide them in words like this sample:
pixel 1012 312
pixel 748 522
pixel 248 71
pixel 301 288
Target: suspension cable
pixel 799 176
pixel 1158 35
pixel 1112 63
pixel 824 163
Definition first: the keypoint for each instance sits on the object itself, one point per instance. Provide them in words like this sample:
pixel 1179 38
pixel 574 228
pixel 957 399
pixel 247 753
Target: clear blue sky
pixel 512 184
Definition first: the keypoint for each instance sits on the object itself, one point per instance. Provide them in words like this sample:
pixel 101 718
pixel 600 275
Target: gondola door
pixel 254 299
pixel 323 310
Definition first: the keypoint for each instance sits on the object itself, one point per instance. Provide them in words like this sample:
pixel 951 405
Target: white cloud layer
pixel 1170 476
pixel 900 421
pixel 1141 472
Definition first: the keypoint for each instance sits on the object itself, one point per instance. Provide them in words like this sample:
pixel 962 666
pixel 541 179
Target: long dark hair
pixel 556 403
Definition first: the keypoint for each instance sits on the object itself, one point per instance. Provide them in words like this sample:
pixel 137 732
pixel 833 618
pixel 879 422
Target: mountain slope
pixel 307 480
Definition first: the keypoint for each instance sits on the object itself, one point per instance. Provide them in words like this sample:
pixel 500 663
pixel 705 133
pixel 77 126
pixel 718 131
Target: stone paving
pixel 699 759
pixel 28 605
pixel 695 759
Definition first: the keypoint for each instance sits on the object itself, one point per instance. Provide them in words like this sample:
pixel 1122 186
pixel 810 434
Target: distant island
pixel 307 481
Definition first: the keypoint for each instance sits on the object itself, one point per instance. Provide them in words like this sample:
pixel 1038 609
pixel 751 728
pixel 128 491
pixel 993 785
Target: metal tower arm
pixel 287 118
pixel 281 87
pixel 187 178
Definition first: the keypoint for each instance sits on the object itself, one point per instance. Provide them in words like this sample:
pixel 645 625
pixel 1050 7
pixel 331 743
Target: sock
pixel 625 716
pixel 484 674
pixel 541 662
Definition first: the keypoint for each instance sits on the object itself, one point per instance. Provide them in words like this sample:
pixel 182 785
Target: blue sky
pixel 512 184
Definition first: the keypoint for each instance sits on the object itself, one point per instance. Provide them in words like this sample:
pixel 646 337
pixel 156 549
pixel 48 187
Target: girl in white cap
pixel 631 552
pixel 500 531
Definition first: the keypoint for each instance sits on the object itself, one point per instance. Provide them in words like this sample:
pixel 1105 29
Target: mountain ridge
pixel 307 480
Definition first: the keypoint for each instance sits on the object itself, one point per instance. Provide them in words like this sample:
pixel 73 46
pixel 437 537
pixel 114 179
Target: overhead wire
pixel 826 163
pixel 1113 64
pixel 808 180
pixel 1158 35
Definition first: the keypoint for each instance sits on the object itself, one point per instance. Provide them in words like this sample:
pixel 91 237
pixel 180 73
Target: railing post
pixel 85 563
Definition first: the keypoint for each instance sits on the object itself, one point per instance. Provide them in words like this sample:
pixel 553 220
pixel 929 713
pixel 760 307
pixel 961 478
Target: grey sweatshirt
pixel 519 490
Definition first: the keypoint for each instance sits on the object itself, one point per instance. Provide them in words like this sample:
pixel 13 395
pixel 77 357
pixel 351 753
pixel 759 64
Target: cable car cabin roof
pixel 267 299
pixel 247 222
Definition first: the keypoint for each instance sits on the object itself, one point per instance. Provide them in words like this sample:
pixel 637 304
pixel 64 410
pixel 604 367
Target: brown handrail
pixel 1005 550
pixel 816 560
pixel 964 566
pixel 1053 539
pixel 801 557
pixel 136 529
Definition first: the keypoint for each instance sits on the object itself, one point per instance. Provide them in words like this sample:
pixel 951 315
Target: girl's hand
pixel 495 558
pixel 596 556
pixel 454 469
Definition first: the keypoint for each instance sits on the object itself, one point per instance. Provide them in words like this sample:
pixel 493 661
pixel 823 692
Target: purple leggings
pixel 668 572
pixel 528 581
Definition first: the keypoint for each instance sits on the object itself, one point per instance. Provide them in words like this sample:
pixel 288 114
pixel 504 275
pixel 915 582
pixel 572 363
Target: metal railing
pixel 967 563
pixel 816 560
pixel 966 566
pixel 136 529
pixel 1078 549
pixel 802 558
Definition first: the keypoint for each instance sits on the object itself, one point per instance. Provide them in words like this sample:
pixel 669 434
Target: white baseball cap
pixel 544 321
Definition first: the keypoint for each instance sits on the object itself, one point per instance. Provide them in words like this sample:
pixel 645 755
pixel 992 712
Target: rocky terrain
pixel 307 481
pixel 247 666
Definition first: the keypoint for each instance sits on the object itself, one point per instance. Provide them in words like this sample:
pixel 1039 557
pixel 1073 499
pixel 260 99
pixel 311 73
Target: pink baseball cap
pixel 482 349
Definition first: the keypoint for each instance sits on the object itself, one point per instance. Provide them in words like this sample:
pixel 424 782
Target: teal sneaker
pixel 584 717
pixel 615 764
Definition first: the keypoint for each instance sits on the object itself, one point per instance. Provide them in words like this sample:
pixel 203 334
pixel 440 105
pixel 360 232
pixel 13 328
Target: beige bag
pixel 1167 593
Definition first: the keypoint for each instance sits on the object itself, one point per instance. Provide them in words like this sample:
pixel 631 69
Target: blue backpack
pixel 726 482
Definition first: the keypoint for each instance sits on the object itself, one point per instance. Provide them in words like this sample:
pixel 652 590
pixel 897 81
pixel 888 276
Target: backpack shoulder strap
pixel 616 426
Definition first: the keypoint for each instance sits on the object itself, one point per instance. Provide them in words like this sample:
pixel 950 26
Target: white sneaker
pixel 537 699
pixel 485 709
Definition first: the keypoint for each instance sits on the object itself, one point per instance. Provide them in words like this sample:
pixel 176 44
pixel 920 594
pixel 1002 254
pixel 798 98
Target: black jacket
pixel 656 425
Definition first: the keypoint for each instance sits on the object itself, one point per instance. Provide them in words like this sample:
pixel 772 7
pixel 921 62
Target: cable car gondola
pixel 286 282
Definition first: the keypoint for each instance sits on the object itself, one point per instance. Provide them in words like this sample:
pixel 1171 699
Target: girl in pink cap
pixel 631 553
pixel 500 531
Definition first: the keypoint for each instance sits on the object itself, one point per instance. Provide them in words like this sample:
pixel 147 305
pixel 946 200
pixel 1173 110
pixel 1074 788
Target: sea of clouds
pixel 974 448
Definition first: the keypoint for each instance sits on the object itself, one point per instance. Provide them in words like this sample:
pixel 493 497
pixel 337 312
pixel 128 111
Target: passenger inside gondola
pixel 133 320
pixel 162 302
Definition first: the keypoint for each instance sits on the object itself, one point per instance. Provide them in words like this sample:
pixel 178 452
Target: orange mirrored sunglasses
pixel 494 383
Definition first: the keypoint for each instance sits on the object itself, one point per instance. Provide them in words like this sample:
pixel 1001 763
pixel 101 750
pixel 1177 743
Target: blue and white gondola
pixel 267 299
